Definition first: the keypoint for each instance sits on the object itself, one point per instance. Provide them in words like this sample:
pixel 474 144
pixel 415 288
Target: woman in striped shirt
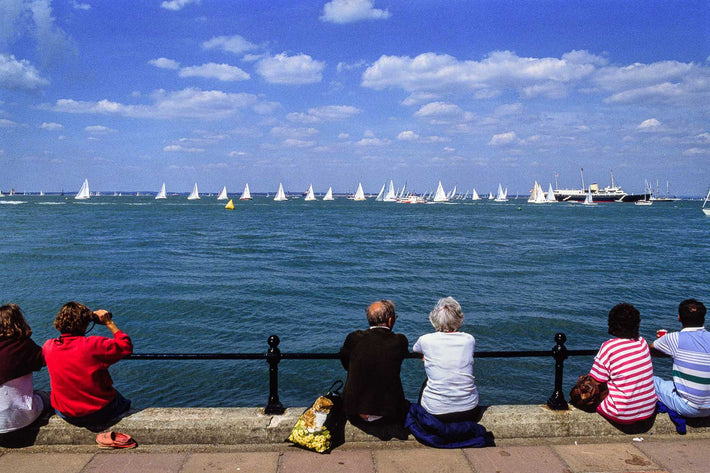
pixel 624 363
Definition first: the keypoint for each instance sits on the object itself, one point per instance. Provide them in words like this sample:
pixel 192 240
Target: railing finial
pixel 559 352
pixel 273 356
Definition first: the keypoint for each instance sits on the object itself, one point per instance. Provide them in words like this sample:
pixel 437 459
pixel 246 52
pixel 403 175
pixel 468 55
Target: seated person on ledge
pixel 373 358
pixel 624 363
pixel 20 404
pixel 82 388
pixel 688 393
pixel 450 392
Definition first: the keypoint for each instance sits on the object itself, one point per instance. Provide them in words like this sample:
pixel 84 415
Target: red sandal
pixel 115 440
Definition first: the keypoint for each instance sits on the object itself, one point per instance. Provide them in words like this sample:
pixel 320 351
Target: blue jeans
pixel 110 411
pixel 668 395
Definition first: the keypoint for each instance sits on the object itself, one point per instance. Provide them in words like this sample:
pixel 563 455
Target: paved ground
pixel 673 456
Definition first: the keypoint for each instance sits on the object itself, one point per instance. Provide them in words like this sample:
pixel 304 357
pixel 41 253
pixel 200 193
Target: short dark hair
pixel 73 318
pixel 13 323
pixel 378 313
pixel 624 321
pixel 692 313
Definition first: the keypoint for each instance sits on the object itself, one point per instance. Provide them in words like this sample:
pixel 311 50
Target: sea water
pixel 192 277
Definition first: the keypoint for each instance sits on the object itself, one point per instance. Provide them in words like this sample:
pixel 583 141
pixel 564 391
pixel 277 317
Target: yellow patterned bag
pixel 321 427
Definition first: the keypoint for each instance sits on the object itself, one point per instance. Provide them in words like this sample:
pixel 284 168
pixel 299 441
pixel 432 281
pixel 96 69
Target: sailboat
pixel 246 195
pixel 381 195
pixel 84 191
pixel 359 193
pixel 646 192
pixel 390 196
pixel 452 194
pixel 223 194
pixel 474 195
pixel 706 211
pixel 440 195
pixel 550 195
pixel 161 194
pixel 310 195
pixel 194 195
pixel 280 195
pixel 588 200
pixel 537 196
pixel 502 196
pixel 329 194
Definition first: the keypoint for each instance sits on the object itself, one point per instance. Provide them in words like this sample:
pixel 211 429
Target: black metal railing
pixel 273 356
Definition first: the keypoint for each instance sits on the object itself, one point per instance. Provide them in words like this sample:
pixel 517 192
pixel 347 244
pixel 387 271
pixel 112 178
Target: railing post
pixel 273 356
pixel 559 352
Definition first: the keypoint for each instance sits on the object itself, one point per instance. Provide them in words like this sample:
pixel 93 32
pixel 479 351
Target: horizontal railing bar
pixel 335 356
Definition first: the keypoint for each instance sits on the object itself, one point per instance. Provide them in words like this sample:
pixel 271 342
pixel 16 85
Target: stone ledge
pixel 249 426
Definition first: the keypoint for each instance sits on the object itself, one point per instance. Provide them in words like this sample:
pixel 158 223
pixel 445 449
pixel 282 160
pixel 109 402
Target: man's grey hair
pixel 446 315
pixel 379 312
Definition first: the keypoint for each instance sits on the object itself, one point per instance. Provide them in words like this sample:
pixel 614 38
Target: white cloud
pixel 442 113
pixel 499 70
pixel 182 149
pixel 504 139
pixel 223 72
pixel 408 136
pixel 295 143
pixel 51 126
pixel 186 103
pixel 232 44
pixel 649 125
pixel 696 152
pixel 176 5
pixel 5 123
pixel 294 133
pixel 19 74
pixel 284 69
pixel 349 11
pixel 344 66
pixel 703 138
pixel 81 6
pixel 98 129
pixel 164 63
pixel 325 113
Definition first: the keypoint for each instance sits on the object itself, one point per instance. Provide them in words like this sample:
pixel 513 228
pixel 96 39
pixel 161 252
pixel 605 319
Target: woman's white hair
pixel 446 315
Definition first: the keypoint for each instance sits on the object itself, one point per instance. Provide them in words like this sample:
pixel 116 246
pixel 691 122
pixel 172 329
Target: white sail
pixel 452 193
pixel 502 195
pixel 222 194
pixel 310 195
pixel 537 196
pixel 400 195
pixel 588 200
pixel 280 195
pixel 84 191
pixel 194 195
pixel 706 211
pixel 474 195
pixel 550 195
pixel 390 196
pixel 359 193
pixel 381 195
pixel 329 194
pixel 246 195
pixel 440 196
pixel 490 196
pixel 161 194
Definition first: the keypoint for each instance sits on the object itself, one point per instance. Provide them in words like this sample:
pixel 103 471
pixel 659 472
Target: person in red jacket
pixel 81 386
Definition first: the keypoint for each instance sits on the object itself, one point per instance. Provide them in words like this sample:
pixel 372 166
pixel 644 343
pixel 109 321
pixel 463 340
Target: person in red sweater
pixel 81 386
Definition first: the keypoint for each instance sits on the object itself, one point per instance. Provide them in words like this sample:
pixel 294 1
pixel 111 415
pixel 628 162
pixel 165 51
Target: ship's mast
pixel 611 171
pixel 581 173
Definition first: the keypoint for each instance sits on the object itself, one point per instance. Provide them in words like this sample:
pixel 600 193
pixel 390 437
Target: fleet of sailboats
pixel 84 191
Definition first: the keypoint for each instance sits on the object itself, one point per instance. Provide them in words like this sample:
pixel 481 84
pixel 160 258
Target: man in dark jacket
pixel 373 393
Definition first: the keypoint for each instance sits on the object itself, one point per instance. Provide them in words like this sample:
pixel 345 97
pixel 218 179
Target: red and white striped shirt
pixel 625 365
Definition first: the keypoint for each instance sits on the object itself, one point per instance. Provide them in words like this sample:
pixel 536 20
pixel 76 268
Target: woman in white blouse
pixel 450 392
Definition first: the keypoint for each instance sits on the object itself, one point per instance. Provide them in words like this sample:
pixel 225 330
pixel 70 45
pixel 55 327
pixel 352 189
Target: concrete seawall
pixel 510 424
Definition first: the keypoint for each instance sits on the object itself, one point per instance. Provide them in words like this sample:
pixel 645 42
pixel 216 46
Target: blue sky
pixel 131 94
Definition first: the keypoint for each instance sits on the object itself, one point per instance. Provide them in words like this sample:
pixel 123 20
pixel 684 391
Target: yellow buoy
pixel 230 205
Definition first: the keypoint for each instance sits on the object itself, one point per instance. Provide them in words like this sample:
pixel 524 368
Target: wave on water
pixel 13 202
